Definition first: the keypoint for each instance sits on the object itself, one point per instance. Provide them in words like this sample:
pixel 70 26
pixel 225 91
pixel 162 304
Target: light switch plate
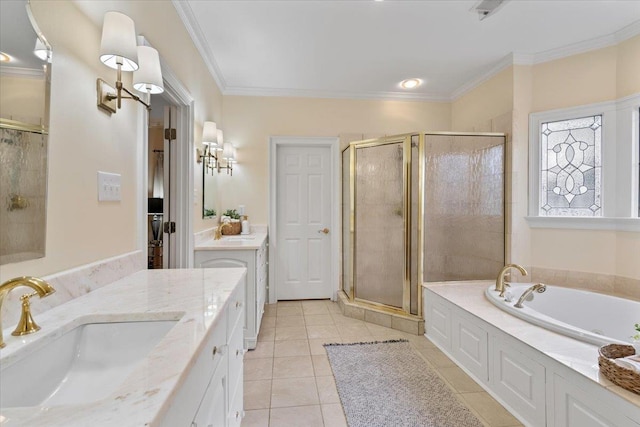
pixel 109 187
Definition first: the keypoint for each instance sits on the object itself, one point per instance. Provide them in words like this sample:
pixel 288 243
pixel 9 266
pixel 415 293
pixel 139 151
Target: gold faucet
pixel 538 287
pixel 218 234
pixel 501 286
pixel 41 288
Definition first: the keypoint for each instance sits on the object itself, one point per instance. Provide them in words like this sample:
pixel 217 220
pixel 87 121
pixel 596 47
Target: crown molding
pixel 303 93
pixel 25 73
pixel 503 64
pixel 199 40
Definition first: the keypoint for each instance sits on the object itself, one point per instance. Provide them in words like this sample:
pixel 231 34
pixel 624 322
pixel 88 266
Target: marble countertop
pixel 194 297
pixel 578 355
pixel 236 242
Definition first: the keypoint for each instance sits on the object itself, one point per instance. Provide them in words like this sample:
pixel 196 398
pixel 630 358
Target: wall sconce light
pixel 119 50
pixel 229 156
pixel 216 150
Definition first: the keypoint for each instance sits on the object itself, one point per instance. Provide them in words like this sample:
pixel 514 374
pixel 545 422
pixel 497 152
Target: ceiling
pixel 363 49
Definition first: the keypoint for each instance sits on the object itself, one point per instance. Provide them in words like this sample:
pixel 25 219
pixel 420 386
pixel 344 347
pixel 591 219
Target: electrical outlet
pixel 241 210
pixel 109 187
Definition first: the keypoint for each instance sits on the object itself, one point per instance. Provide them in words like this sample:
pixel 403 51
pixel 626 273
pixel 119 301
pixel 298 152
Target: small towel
pixel 629 362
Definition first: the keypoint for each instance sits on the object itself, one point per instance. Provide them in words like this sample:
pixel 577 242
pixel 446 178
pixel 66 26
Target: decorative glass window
pixel 571 167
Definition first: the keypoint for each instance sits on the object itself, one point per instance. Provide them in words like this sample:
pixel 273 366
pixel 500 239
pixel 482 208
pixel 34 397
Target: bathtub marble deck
pixel 578 355
pixel 288 379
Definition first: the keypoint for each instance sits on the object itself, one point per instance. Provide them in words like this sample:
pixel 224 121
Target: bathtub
pixel 591 317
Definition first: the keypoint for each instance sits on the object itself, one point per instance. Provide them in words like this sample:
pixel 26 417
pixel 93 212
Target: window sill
pixel 584 223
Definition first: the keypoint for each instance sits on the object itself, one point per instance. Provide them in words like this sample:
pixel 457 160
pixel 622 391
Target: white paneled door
pixel 304 227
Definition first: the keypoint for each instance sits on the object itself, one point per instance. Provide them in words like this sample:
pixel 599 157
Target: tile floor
pixel 288 379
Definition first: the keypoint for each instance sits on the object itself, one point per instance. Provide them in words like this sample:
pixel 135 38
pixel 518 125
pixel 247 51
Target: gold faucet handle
pixel 26 325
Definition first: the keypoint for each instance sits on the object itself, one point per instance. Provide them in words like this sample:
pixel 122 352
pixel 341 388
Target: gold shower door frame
pixel 408 160
pixel 405 140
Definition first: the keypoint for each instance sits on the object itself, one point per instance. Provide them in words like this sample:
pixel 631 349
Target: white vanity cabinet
pixel 254 259
pixel 209 396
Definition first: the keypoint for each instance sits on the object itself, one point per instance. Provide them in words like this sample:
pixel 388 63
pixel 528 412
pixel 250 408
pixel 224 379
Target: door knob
pixel 324 230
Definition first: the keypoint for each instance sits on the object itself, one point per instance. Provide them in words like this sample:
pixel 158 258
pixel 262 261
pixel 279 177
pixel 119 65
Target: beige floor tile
pixel 316 345
pixel 289 304
pixel 289 310
pixel 256 418
pixel 291 348
pixel 258 369
pixel 420 341
pixel 327 391
pixel 350 339
pixel 489 409
pixel 314 307
pixel 339 319
pixel 321 365
pixel 333 415
pixel 257 394
pixel 291 333
pixel 270 310
pixel 267 334
pixel 292 367
pixel 436 357
pixel 460 380
pixel 322 331
pixel 268 322
pixel 333 307
pixel 289 321
pixel 294 392
pixel 353 330
pixel 377 329
pixel 300 416
pixel 318 319
pixel 262 350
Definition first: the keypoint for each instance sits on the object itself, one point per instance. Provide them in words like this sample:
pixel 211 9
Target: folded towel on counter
pixel 629 362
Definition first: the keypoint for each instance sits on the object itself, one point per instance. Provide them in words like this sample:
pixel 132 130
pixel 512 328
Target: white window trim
pixel 620 168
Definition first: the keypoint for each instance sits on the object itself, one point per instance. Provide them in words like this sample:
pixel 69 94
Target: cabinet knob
pixel 215 350
pixel 237 352
pixel 238 304
pixel 237 414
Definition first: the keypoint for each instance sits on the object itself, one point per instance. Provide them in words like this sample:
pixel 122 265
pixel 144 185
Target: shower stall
pixel 420 207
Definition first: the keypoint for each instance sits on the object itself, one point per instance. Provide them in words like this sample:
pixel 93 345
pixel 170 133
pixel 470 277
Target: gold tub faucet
pixel 26 325
pixel 501 285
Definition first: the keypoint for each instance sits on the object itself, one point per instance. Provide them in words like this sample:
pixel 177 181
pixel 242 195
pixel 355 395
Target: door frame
pixel 304 141
pixel 177 94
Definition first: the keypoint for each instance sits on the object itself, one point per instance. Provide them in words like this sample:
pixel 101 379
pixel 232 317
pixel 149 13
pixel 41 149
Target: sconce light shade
pixel 220 140
pixel 234 160
pixel 118 45
pixel 227 151
pixel 148 77
pixel 210 134
pixel 41 50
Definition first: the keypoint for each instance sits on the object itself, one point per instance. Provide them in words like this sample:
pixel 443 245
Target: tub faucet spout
pixel 501 285
pixel 538 287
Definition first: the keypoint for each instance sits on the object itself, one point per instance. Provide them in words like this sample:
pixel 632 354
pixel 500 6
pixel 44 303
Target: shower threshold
pixel 379 316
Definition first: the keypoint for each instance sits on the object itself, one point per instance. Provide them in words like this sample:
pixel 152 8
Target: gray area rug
pixel 388 384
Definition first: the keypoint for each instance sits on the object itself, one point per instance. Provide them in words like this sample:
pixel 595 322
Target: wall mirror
pixel 209 189
pixel 25 70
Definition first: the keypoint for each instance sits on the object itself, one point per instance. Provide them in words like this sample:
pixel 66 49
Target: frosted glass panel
pixel 379 249
pixel 23 185
pixel 464 207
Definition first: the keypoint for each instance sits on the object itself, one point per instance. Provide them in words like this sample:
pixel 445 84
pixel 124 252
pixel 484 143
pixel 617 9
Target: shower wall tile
pixel 377 318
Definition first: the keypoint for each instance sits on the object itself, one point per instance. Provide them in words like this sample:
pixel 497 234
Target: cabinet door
pixel 438 322
pixel 470 346
pixel 213 409
pixel 520 382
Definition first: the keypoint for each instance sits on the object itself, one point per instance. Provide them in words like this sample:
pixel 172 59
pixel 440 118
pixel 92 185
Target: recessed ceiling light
pixel 410 83
pixel 4 57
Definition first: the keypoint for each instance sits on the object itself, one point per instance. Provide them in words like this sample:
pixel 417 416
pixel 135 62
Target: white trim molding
pixel 334 144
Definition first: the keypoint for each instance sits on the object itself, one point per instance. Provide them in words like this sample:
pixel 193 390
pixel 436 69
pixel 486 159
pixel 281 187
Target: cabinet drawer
pixel 236 309
pixel 216 345
pixel 236 357
pixel 213 408
pixel 236 408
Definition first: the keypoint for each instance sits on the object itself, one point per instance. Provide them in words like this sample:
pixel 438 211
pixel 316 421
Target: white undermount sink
pixel 85 364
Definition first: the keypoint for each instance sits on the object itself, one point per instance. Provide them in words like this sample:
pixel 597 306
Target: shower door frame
pixel 407 166
pixel 407 185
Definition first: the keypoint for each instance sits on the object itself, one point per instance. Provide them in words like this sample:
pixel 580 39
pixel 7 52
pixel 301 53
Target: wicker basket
pixel 625 378
pixel 232 228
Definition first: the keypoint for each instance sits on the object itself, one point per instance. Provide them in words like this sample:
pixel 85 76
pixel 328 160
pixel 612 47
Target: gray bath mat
pixel 388 384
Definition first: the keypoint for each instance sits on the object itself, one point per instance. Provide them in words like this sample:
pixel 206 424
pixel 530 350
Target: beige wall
pixel 84 140
pixel 250 121
pixel 22 98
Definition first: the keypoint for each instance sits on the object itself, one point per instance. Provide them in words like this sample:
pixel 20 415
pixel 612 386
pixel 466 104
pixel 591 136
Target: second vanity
pixel 190 373
pixel 248 251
